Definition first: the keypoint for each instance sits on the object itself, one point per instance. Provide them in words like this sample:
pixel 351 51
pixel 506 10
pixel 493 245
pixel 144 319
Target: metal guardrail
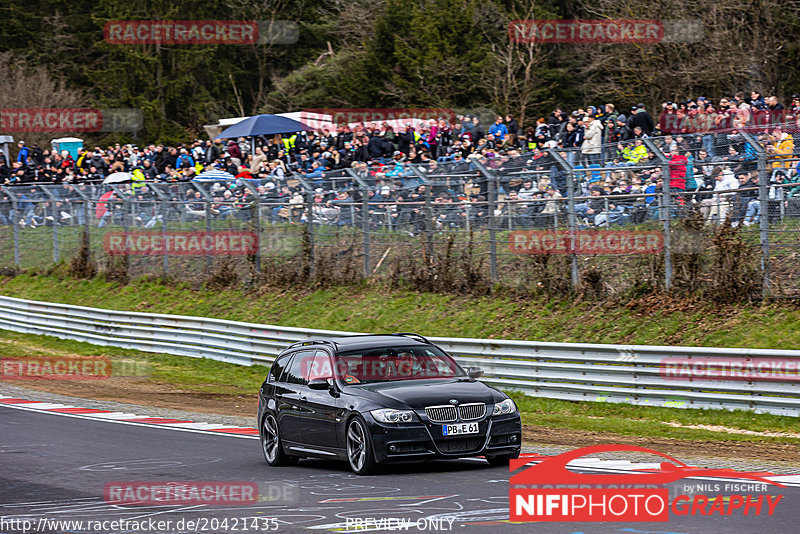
pixel 633 374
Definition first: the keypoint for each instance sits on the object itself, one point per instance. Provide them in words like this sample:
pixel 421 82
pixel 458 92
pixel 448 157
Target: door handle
pixel 303 398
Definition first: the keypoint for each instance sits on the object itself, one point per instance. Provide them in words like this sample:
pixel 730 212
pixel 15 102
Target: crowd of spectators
pixel 616 170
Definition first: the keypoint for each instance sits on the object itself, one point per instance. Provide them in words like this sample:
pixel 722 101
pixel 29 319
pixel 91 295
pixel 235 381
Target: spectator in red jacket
pixel 677 170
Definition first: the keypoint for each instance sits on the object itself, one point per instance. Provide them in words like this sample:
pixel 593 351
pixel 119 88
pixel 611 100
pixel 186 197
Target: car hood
pixel 418 394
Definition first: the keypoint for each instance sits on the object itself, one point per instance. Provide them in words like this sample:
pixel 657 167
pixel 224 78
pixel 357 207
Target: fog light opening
pixel 513 438
pixel 392 448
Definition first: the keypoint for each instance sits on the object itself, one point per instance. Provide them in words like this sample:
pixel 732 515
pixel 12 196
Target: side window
pixel 277 368
pixel 298 369
pixel 321 366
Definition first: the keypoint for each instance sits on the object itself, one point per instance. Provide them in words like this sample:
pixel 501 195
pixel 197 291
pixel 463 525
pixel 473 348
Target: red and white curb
pixel 126 418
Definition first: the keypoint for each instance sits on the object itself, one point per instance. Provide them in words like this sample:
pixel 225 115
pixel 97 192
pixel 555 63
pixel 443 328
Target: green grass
pixel 195 374
pixel 365 309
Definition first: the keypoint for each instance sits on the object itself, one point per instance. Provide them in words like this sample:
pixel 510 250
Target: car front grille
pixel 468 412
pixel 448 414
pixel 441 414
pixel 460 444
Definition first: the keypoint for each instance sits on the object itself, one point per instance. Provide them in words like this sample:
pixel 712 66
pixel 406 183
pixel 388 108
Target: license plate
pixel 460 429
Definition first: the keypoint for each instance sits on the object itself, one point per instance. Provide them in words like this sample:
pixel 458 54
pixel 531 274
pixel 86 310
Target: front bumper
pixel 424 440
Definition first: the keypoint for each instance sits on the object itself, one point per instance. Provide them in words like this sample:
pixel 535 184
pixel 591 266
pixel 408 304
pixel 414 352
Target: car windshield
pixel 388 364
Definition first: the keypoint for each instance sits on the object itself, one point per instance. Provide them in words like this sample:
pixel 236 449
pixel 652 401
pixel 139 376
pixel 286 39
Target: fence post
pixel 15 230
pixel 667 202
pixel 763 222
pixel 87 236
pixel 55 215
pixel 126 228
pixel 763 208
pixel 208 232
pixel 427 213
pixel 310 230
pixel 665 209
pixel 571 219
pixel 365 229
pixel 164 258
pixel 491 190
pixel 257 228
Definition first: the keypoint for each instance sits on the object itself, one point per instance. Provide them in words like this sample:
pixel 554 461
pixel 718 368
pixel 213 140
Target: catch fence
pixel 555 221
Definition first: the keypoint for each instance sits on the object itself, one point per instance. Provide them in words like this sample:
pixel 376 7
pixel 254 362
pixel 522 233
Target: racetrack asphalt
pixel 55 467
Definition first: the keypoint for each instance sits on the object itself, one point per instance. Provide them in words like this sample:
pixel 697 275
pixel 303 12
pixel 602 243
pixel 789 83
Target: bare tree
pixel 730 45
pixel 514 78
pixel 26 86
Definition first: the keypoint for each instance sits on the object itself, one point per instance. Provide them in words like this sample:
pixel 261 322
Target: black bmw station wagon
pixel 374 399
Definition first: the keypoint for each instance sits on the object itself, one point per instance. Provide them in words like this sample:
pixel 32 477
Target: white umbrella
pixel 213 175
pixel 118 178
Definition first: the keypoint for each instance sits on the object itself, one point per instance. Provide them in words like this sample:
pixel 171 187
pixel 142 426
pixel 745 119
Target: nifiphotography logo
pixel 548 491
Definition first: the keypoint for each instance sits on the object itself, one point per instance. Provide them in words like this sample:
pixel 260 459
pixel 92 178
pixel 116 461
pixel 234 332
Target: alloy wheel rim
pixel 270 438
pixel 356 451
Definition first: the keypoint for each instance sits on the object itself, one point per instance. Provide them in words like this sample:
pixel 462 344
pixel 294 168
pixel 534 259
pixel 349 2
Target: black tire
pixel 271 444
pixel 501 459
pixel 358 442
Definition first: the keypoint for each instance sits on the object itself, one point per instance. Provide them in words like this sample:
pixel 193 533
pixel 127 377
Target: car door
pixel 322 407
pixel 289 397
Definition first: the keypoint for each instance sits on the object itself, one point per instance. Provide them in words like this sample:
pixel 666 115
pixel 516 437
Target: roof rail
pixel 412 335
pixel 311 342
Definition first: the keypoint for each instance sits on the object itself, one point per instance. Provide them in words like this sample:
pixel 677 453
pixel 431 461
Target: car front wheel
pixel 359 448
pixel 271 443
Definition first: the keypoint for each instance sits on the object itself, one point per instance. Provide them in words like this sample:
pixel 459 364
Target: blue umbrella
pixel 263 125
pixel 213 175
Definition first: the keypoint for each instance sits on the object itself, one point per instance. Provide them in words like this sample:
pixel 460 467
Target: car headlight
pixel 505 407
pixel 387 415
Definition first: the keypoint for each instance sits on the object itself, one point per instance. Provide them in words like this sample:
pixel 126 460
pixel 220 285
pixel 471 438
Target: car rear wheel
pixel 271 443
pixel 501 459
pixel 359 448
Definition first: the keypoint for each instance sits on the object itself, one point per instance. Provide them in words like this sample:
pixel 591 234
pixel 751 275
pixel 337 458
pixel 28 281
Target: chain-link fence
pixel 714 212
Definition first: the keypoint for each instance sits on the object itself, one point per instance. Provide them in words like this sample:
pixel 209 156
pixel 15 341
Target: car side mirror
pixel 320 384
pixel 475 372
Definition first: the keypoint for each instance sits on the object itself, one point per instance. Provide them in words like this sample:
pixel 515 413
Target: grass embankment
pixel 368 310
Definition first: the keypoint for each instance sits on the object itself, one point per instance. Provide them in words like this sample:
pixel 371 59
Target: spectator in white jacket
pixel 592 140
pixel 718 206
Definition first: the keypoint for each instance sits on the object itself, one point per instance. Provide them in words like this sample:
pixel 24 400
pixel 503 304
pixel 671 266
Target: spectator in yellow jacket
pixel 781 148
